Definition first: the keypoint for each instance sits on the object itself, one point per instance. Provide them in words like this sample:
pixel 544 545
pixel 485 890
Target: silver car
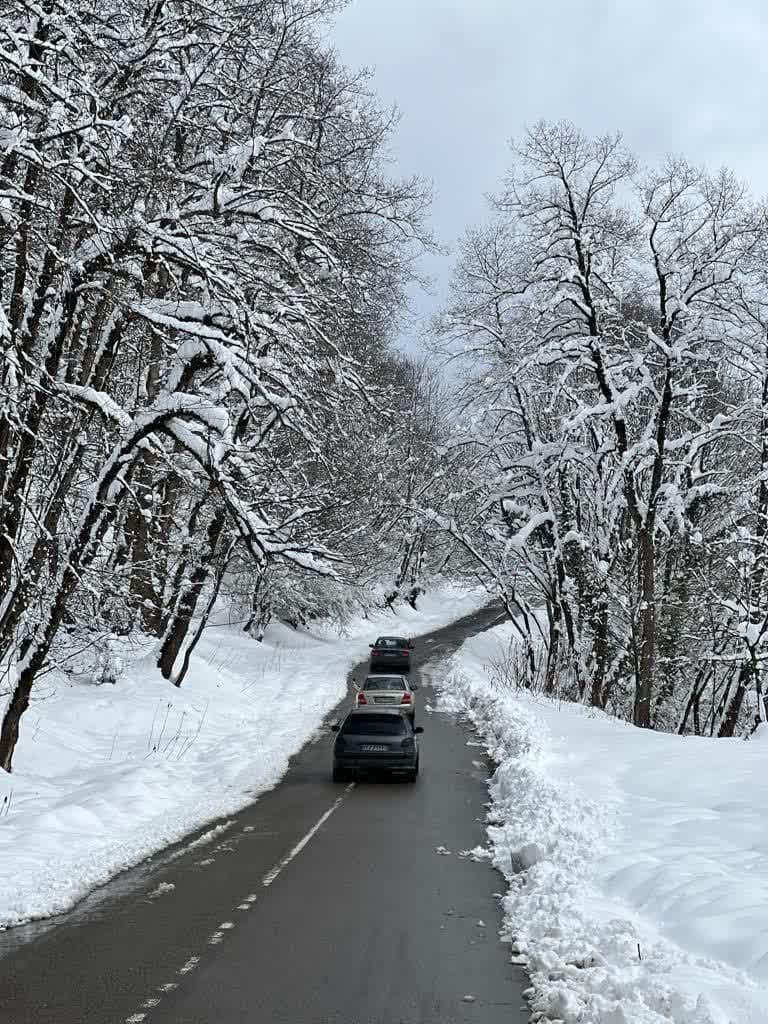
pixel 387 691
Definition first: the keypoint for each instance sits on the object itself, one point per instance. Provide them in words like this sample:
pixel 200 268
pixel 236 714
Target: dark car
pixel 377 740
pixel 391 652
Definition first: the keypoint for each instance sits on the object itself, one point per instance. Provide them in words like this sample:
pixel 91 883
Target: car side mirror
pixel 335 728
pixel 419 728
pixel 414 687
pixel 371 645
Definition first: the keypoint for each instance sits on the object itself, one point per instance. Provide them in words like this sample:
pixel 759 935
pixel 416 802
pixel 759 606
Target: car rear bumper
pixel 375 705
pixel 390 663
pixel 374 763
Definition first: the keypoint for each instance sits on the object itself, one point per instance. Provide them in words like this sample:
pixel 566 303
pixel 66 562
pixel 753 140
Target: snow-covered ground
pixel 106 775
pixel 637 862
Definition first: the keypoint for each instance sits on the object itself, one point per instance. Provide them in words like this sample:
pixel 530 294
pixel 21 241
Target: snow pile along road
pixel 106 775
pixel 637 862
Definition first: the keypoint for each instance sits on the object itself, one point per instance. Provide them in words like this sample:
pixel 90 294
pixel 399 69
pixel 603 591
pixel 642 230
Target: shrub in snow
pixel 526 856
pixel 98 658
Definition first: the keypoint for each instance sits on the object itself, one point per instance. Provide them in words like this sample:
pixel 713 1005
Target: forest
pixel 611 322
pixel 205 261
pixel 202 257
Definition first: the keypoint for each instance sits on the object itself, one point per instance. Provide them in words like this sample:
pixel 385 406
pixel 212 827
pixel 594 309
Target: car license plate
pixel 373 747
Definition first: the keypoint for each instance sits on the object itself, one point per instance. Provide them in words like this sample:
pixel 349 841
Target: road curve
pixel 317 904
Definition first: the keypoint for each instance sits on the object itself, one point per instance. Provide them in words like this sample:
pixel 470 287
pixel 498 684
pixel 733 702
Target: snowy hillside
pixel 107 775
pixel 637 861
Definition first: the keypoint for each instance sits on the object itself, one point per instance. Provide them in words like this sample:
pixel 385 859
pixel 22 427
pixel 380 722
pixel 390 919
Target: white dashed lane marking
pixel 269 878
pixel 218 936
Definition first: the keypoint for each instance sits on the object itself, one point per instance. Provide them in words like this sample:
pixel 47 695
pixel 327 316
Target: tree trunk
pixel 731 716
pixel 554 615
pixel 260 611
pixel 9 732
pixel 179 677
pixel 697 713
pixel 600 651
pixel 178 627
pixel 641 715
pixel 138 532
pixel 693 703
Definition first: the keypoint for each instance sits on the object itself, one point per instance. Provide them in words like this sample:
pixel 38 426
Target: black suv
pixel 376 740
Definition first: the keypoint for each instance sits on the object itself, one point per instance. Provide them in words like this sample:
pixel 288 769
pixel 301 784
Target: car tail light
pixel 375 651
pixel 361 698
pixel 406 698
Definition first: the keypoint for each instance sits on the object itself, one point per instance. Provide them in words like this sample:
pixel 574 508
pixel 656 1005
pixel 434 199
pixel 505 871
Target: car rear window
pixel 390 641
pixel 374 725
pixel 384 683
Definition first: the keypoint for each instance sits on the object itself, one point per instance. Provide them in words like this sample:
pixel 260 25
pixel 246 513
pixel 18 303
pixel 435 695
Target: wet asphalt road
pixel 318 904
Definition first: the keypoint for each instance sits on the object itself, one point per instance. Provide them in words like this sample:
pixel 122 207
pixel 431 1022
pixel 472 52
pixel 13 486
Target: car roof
pixel 388 637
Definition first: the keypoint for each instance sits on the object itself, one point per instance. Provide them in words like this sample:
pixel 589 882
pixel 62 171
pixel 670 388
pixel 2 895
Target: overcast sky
pixel 683 76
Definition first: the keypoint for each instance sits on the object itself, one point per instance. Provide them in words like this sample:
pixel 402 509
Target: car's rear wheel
pixel 413 775
pixel 339 773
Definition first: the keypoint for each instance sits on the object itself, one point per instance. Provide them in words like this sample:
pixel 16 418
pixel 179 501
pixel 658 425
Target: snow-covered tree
pixel 609 320
pixel 195 214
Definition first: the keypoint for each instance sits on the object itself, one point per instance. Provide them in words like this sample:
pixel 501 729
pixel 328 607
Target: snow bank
pixel 106 775
pixel 637 862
